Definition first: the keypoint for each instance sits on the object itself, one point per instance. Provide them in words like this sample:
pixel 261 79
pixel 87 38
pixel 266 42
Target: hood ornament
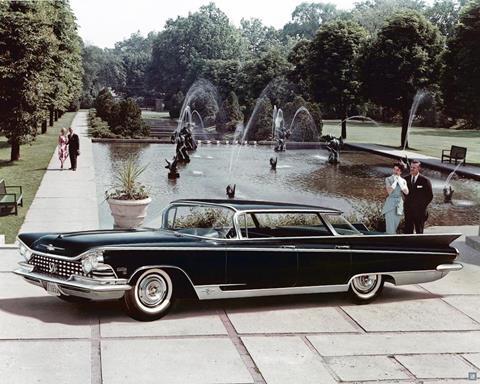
pixel 51 248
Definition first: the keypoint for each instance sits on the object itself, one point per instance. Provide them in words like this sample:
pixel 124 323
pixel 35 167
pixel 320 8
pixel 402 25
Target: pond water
pixel 302 176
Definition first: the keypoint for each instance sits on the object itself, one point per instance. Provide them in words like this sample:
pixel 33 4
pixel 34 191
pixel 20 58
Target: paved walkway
pixel 66 200
pixel 427 333
pixel 469 171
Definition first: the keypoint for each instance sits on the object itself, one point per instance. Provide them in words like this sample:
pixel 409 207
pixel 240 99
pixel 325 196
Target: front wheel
pixel 151 296
pixel 365 288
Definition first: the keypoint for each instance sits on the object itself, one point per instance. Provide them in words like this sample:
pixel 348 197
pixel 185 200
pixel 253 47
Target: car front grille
pixel 56 267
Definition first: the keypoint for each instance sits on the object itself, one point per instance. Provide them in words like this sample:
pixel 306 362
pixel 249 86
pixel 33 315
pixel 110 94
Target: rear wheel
pixel 365 288
pixel 151 296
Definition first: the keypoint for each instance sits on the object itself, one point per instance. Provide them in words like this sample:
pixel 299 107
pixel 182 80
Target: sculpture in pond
pixel 273 163
pixel 231 191
pixel 181 149
pixel 333 147
pixel 172 168
pixel 183 137
pixel 281 133
pixel 447 194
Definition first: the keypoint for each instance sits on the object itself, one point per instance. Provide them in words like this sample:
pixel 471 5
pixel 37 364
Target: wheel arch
pixel 183 285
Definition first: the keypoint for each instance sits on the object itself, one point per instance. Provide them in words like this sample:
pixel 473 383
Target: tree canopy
pixel 40 66
pixel 461 78
pixel 404 58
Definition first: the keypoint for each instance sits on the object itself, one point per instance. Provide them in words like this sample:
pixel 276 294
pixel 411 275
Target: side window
pixel 341 225
pixel 205 221
pixel 301 224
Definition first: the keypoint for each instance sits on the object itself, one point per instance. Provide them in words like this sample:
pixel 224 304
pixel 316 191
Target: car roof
pixel 256 205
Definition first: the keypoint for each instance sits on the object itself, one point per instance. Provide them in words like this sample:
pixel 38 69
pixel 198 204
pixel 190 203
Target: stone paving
pixel 66 200
pixel 427 333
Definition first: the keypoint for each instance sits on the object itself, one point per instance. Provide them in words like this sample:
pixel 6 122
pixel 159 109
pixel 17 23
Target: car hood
pixel 74 243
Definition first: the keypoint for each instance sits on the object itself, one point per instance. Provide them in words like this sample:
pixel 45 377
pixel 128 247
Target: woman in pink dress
pixel 62 146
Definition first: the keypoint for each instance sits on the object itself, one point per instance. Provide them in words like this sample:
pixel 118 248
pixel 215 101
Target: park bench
pixel 8 199
pixel 454 153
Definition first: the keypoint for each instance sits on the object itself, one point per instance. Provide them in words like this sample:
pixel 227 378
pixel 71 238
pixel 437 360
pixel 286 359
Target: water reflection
pixel 302 176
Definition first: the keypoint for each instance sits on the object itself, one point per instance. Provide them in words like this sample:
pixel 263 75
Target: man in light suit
pixel 417 201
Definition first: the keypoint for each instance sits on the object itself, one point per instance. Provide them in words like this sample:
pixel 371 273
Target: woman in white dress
pixel 396 186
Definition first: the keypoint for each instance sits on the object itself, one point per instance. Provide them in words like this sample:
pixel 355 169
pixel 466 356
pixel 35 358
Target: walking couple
pixel 68 146
pixel 412 194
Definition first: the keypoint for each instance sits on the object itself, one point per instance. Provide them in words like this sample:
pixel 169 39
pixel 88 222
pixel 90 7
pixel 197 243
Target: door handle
pixel 288 246
pixel 342 247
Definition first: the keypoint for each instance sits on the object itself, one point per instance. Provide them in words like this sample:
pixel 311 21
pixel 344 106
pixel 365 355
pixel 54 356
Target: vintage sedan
pixel 218 249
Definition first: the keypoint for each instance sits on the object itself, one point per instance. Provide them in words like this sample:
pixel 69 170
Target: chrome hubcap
pixel 152 291
pixel 365 283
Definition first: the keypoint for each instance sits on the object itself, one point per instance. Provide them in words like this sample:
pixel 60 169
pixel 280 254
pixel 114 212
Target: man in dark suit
pixel 416 202
pixel 73 148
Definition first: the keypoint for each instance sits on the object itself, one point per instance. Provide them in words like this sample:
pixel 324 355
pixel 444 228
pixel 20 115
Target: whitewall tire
pixel 151 297
pixel 365 288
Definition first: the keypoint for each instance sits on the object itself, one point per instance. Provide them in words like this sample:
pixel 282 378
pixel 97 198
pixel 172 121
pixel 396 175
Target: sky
pixel 104 22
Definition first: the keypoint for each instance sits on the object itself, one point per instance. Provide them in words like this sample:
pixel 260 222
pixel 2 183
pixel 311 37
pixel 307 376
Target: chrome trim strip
pixel 226 248
pixel 210 292
pixel 159 267
pixel 274 248
pixel 93 286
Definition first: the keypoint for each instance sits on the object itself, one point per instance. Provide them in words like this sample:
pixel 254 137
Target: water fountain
pixel 447 189
pixel 280 131
pixel 312 125
pixel 419 97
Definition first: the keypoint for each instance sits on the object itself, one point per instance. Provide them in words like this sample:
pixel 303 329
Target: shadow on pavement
pixel 53 310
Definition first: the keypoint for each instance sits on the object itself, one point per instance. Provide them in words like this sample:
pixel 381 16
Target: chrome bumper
pixel 94 289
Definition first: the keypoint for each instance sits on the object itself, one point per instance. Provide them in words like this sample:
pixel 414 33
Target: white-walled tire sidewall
pixel 371 294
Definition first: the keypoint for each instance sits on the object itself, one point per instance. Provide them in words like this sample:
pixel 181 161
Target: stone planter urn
pixel 128 213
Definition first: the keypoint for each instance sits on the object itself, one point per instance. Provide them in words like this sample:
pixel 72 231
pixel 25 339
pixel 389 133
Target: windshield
pixel 341 225
pixel 200 220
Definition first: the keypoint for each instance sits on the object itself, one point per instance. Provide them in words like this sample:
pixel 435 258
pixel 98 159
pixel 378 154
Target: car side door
pixel 263 261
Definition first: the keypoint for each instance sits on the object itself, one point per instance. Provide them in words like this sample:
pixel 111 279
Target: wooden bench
pixel 455 153
pixel 9 199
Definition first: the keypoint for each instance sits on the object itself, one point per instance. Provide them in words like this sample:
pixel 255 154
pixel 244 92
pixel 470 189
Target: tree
pixel 134 55
pixel 308 17
pixel 445 14
pixel 224 74
pixel 186 42
pixel 405 57
pixel 259 38
pixel 373 14
pixel 461 78
pixel 229 114
pixel 332 66
pixel 66 65
pixel 260 126
pixel 298 57
pixel 25 56
pixel 130 118
pixel 259 73
pixel 104 104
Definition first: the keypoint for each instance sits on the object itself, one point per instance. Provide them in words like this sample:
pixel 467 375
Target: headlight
pixel 91 261
pixel 24 251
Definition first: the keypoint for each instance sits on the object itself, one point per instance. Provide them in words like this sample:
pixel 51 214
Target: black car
pixel 216 249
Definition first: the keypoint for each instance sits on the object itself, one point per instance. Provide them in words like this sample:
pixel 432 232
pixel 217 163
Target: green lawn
pixel 28 171
pixel 428 141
